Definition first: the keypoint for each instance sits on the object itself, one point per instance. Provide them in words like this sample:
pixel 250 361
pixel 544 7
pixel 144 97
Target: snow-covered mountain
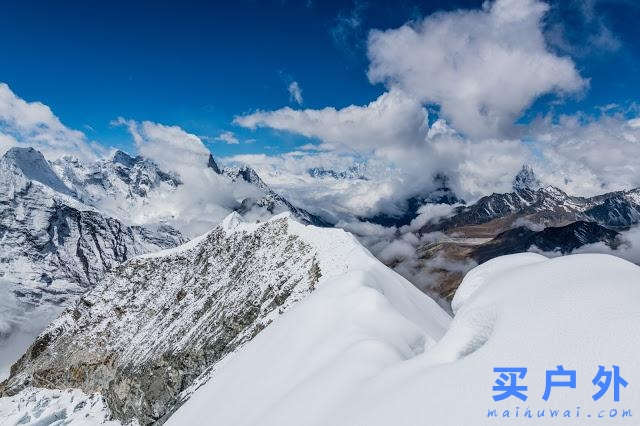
pixel 362 363
pixel 160 324
pixel 540 205
pixel 53 247
pixel 278 323
pixel 446 237
pixel 121 177
pixel 354 172
pixel 63 224
pixel 138 190
pixel 49 235
pixel 269 200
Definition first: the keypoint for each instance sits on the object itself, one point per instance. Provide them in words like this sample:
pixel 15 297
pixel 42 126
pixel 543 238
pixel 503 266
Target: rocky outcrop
pixel 157 322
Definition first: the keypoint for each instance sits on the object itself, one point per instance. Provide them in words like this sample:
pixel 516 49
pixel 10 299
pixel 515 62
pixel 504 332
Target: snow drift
pixel 348 355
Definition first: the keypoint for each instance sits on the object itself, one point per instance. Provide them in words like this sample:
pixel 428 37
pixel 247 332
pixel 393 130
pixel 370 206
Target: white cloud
pixel 483 67
pixel 295 92
pixel 170 147
pixel 393 118
pixel 204 198
pixel 588 156
pixel 393 129
pixel 33 124
pixel 228 138
pixel 288 175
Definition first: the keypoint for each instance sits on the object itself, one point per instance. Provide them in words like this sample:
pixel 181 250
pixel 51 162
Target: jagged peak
pixel 213 165
pixel 18 153
pixel 245 173
pixel 123 158
pixel 526 179
pixel 32 165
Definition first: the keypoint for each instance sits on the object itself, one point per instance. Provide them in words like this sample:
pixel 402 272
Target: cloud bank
pixel 482 67
pixel 33 124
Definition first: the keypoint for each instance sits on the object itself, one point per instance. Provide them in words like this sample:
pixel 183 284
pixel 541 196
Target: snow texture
pixel 41 407
pixel 350 354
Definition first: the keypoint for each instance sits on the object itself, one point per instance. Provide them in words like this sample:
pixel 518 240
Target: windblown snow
pixel 349 355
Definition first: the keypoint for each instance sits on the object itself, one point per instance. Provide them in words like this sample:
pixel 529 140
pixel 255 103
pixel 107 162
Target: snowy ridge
pixel 179 312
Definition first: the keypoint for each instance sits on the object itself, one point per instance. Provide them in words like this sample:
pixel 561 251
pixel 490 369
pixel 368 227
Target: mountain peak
pixel 32 165
pixel 123 158
pixel 213 165
pixel 526 179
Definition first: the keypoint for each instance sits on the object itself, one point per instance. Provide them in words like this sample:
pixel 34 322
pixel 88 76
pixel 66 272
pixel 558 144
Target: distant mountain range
pixel 532 216
pixel 354 172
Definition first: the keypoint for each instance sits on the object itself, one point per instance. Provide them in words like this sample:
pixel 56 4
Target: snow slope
pixel 55 407
pixel 351 353
pixel 161 324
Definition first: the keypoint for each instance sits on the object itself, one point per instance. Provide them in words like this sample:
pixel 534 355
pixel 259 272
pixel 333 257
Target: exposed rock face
pixel 270 200
pixel 157 322
pixel 53 246
pixel 563 239
pixel 547 206
pixel 213 165
pixel 618 209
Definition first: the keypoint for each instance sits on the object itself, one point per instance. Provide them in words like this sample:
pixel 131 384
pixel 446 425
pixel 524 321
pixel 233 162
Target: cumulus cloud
pixel 204 198
pixel 482 67
pixel 295 92
pixel 335 199
pixel 171 147
pixel 228 138
pixel 588 155
pixel 33 124
pixel 392 118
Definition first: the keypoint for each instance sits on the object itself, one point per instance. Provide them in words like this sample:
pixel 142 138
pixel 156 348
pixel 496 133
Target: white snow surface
pixel 342 258
pixel 354 352
pixel 54 407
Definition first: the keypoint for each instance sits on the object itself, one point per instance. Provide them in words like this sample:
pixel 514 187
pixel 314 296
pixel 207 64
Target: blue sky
pixel 197 65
